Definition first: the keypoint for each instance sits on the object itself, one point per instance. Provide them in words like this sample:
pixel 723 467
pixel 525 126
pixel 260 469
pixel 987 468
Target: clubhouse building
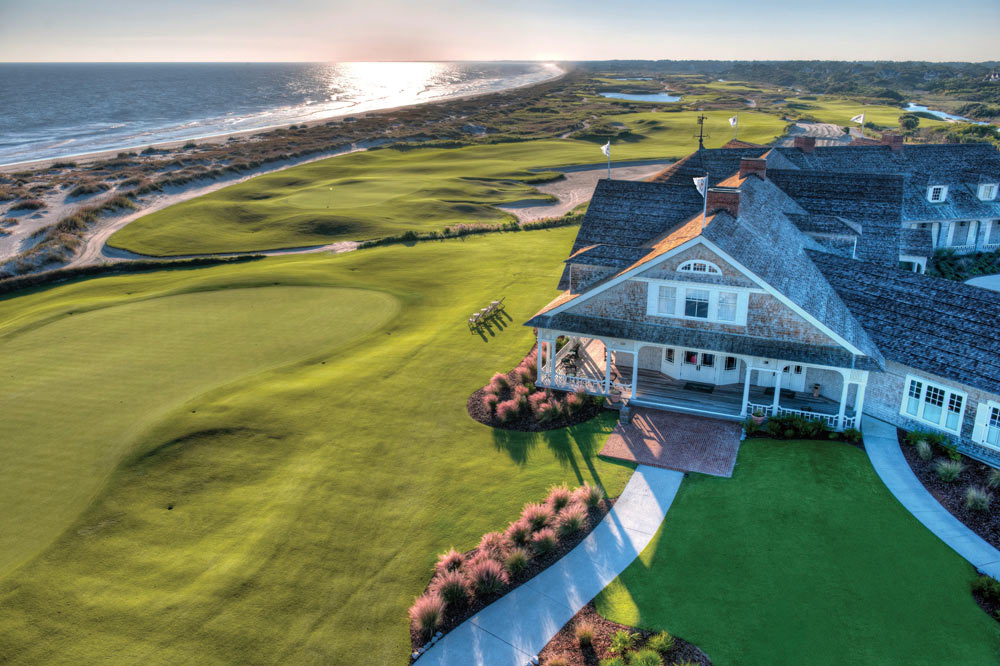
pixel 799 290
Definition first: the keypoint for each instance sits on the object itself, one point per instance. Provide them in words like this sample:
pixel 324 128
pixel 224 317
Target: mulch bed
pixel 456 616
pixel 526 421
pixel 952 495
pixel 991 606
pixel 565 645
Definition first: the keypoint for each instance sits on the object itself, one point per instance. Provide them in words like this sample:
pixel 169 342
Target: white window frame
pixel 699 267
pixel 988 191
pixel 941 192
pixel 983 429
pixel 680 301
pixel 698 296
pixel 659 300
pixel 948 394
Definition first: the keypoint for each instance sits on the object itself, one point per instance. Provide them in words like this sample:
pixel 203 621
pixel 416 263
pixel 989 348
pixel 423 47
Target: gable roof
pixel 944 328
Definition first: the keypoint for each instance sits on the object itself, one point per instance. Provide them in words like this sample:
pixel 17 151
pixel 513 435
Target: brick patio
pixel 683 442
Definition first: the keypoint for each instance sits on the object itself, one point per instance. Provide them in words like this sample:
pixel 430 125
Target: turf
pixel 284 505
pixel 839 111
pixel 803 557
pixel 386 192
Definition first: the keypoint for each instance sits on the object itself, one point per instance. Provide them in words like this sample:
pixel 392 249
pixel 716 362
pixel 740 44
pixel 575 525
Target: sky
pixel 363 30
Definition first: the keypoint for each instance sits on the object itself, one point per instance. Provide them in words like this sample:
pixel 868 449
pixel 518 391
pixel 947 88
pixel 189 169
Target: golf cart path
pixel 515 628
pixel 882 447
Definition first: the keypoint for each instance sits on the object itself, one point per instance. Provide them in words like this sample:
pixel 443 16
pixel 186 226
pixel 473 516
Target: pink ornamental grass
pixel 524 374
pixel 448 561
pixel 499 380
pixel 490 401
pixel 492 544
pixel 427 612
pixel 536 399
pixel 571 519
pixel 574 402
pixel 519 532
pixel 548 411
pixel 559 497
pixel 453 587
pixel 536 515
pixel 590 495
pixel 507 410
pixel 544 541
pixel 486 576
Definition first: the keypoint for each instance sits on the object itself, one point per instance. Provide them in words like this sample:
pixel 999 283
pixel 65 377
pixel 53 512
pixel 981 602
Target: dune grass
pixel 803 557
pixel 386 192
pixel 285 507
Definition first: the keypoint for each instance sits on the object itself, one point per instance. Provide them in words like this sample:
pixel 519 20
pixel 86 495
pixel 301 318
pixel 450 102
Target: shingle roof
pixel 821 224
pixel 916 242
pixel 960 166
pixel 945 328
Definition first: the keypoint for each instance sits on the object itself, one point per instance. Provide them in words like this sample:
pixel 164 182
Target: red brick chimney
pixel 893 140
pixel 805 143
pixel 753 165
pixel 723 198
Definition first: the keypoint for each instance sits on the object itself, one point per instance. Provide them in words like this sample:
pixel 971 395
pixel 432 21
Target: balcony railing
pixel 830 419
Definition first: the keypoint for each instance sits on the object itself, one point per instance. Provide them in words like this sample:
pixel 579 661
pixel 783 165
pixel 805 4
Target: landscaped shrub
pixel 519 532
pixel 993 480
pixel 853 435
pixel 544 541
pixel 662 642
pixel 449 561
pixel 516 561
pixel 622 641
pixel 589 495
pixel 775 427
pixel 535 401
pixel 613 661
pixel 452 587
pixel 950 450
pixel 978 499
pixel 948 470
pixel 548 411
pixel 507 410
pixel 427 612
pixel 924 449
pixel 499 381
pixel 584 634
pixel 490 400
pixel 645 657
pixel 486 576
pixel 571 520
pixel 559 498
pixel 557 661
pixel 574 402
pixel 537 516
pixel 492 544
pixel 524 374
pixel 988 587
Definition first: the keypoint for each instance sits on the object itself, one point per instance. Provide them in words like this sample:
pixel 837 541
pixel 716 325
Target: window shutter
pixel 982 417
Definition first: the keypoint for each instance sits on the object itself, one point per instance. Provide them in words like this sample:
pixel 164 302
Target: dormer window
pixel 988 191
pixel 700 267
pixel 937 193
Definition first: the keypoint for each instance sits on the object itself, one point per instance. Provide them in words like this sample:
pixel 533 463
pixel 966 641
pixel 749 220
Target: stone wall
pixel 884 397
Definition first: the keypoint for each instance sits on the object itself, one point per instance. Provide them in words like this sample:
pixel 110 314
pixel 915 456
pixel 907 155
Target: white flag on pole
pixel 606 149
pixel 860 118
pixel 700 183
pixel 733 121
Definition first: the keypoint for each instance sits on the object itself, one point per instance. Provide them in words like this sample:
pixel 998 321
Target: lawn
pixel 803 557
pixel 258 463
pixel 839 111
pixel 386 192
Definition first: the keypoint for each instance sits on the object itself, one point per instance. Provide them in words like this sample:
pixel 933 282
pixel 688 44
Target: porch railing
pixel 830 419
pixel 591 385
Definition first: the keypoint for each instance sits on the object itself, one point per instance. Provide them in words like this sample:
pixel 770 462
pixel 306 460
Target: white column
pixel 746 391
pixel 859 404
pixel 607 370
pixel 635 372
pixel 552 362
pixel 843 401
pixel 777 390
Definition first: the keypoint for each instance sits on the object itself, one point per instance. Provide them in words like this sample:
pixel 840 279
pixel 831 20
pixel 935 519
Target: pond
pixel 634 78
pixel 943 115
pixel 644 97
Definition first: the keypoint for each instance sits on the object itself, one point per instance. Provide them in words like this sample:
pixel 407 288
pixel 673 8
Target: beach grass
pixel 803 557
pixel 259 463
pixel 385 192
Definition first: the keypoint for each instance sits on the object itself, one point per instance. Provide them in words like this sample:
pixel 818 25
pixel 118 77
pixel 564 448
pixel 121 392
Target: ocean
pixel 56 110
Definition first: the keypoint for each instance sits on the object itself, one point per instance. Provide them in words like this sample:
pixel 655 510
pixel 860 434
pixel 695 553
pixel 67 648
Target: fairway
pixel 286 505
pixel 839 111
pixel 385 192
pixel 803 557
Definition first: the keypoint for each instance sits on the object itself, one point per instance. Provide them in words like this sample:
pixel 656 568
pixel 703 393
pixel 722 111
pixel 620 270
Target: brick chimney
pixel 753 165
pixel 893 140
pixel 805 143
pixel 723 198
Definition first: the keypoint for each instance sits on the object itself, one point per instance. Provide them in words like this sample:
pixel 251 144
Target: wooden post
pixel 607 370
pixel 635 372
pixel 746 391
pixel 843 401
pixel 777 390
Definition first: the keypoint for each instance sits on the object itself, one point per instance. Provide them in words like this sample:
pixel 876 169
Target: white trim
pixel 686 267
pixel 947 391
pixel 681 290
pixel 991 195
pixel 980 433
pixel 785 300
pixel 943 193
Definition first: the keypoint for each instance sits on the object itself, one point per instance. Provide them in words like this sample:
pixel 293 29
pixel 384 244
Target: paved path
pixel 883 450
pixel 685 442
pixel 516 627
pixel 986 282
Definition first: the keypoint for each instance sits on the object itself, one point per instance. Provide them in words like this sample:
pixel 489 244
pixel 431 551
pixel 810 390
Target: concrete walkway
pixel 883 451
pixel 513 629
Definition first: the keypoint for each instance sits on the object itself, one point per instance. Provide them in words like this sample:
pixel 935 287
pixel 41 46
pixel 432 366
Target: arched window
pixel 700 267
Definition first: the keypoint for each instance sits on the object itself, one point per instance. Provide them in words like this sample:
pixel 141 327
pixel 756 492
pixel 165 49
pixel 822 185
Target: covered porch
pixel 701 381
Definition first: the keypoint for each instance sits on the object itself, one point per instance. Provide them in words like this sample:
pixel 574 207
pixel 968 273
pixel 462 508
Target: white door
pixel 671 361
pixel 699 366
pixel 729 370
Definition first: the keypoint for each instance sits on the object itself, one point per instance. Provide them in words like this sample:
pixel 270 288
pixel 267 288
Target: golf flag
pixel 700 183
pixel 606 149
pixel 860 118
pixel 733 121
